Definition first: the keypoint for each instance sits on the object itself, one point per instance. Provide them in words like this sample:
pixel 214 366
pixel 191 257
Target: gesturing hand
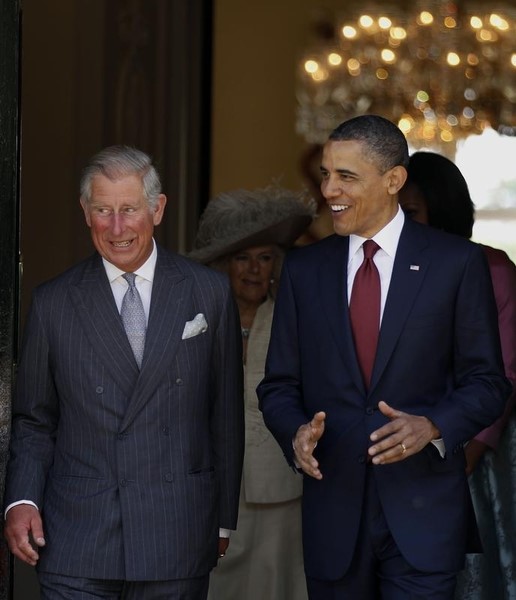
pixel 403 436
pixel 305 442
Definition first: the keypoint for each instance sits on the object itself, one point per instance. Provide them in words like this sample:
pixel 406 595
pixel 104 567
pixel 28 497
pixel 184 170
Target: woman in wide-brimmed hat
pixel 245 234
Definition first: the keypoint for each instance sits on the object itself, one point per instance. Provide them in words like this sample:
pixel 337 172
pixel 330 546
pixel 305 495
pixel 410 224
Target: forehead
pixel 344 154
pixel 128 186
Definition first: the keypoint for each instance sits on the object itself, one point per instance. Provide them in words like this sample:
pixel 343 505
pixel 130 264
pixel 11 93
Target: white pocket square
pixel 194 327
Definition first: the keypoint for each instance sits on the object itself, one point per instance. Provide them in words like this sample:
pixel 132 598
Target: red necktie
pixel 364 310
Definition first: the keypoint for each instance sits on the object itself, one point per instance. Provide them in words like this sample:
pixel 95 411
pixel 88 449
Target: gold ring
pixel 403 448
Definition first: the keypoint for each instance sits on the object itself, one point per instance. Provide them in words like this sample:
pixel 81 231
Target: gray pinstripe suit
pixel 134 472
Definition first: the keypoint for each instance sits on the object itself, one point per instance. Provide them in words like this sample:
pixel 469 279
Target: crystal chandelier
pixel 441 70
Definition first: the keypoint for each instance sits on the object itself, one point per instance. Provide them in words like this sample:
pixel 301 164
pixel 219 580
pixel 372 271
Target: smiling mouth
pixel 123 244
pixel 338 208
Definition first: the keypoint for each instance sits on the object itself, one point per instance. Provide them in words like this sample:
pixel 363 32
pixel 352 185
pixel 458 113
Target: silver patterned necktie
pixel 133 317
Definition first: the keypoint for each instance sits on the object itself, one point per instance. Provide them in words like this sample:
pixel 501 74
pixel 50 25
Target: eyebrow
pixel 339 171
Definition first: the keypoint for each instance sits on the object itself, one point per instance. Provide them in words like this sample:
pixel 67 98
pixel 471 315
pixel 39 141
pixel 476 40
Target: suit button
pixel 99 389
pixel 369 410
pixel 169 478
pixel 361 459
pixel 165 430
pixel 121 436
pixel 123 482
pixel 179 381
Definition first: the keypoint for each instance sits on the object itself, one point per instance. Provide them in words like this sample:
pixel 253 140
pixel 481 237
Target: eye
pixel 266 258
pixel 346 177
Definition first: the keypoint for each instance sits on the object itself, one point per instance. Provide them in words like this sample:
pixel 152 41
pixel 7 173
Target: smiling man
pixel 384 361
pixel 127 439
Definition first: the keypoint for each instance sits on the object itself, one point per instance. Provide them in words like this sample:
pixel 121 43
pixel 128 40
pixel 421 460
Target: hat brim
pixel 283 234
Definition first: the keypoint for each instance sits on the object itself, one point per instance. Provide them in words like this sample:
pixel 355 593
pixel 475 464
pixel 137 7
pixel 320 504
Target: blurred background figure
pixel 437 194
pixel 245 233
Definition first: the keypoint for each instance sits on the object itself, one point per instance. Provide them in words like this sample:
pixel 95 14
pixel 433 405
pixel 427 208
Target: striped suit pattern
pixel 134 471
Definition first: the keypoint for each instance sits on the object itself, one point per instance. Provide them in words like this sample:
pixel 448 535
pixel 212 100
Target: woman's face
pixel 250 272
pixel 413 203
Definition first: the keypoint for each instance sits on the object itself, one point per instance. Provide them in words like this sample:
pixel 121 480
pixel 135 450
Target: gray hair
pixel 116 162
pixel 384 143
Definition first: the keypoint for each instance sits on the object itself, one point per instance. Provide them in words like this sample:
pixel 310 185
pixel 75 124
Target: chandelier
pixel 441 70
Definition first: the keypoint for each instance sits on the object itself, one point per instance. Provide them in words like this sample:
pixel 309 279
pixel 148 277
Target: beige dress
pixel 264 559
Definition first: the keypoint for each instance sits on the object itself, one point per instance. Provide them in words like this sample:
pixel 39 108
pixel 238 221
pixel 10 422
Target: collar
pixel 387 238
pixel 146 271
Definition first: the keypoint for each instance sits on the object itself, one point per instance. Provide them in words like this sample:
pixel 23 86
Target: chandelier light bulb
pixel 453 59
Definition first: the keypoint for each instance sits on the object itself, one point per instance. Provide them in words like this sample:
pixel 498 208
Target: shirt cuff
pixel 13 504
pixel 441 448
pixel 224 533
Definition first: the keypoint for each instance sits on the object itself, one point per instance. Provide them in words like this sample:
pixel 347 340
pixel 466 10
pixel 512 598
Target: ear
pixel 86 210
pixel 159 209
pixel 396 177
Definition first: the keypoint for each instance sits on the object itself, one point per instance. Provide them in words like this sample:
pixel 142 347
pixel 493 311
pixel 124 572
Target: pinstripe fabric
pixel 135 471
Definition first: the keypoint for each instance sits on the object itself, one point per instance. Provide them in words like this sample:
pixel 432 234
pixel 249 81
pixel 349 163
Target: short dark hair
pixel 384 142
pixel 445 192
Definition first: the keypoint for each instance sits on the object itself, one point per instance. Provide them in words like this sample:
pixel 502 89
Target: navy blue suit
pixel 133 471
pixel 438 356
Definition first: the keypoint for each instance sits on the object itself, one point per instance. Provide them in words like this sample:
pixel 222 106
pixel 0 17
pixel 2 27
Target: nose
pixel 117 223
pixel 254 265
pixel 331 188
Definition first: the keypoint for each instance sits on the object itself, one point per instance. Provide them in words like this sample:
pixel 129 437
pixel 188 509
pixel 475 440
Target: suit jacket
pixel 438 355
pixel 133 471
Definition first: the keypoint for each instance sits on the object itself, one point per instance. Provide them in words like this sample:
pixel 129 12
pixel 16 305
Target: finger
pixel 37 531
pixel 387 430
pixel 24 551
pixel 393 454
pixel 318 418
pixel 388 411
pixel 308 465
pixel 317 425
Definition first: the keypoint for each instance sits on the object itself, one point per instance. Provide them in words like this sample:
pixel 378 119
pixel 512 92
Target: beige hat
pixel 240 219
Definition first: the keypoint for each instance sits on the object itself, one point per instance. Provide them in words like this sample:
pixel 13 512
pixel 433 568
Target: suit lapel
pixel 169 312
pixel 408 274
pixel 333 286
pixel 96 309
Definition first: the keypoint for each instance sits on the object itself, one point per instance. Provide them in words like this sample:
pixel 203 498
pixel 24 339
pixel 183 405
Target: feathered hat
pixel 240 219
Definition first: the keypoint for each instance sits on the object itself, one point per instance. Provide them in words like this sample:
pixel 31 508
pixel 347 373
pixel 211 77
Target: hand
pixel 305 442
pixel 223 546
pixel 404 436
pixel 23 523
pixel 474 451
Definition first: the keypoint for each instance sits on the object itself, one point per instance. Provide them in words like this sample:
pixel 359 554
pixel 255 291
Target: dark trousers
pixel 61 587
pixel 378 570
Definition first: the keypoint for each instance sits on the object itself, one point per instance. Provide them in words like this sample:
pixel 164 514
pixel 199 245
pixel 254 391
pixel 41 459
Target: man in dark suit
pixel 127 440
pixel 376 418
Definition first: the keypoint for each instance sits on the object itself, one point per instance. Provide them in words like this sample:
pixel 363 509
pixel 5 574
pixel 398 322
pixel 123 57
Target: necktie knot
pixel 370 248
pixel 131 279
